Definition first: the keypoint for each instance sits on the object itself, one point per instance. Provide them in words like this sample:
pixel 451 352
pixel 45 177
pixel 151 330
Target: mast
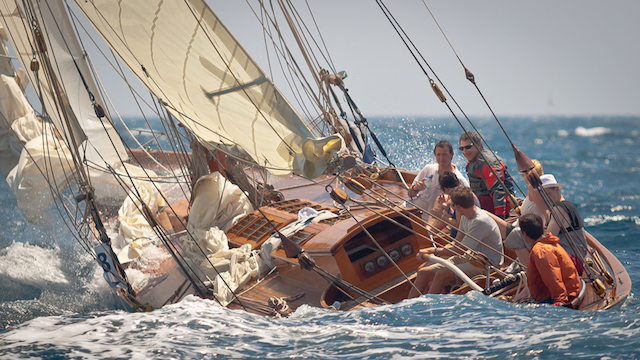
pixel 324 80
pixel 32 29
pixel 86 191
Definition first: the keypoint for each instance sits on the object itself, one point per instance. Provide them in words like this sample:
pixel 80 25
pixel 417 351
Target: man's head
pixel 462 196
pixel 444 152
pixel 448 181
pixel 531 226
pixel 470 144
pixel 551 187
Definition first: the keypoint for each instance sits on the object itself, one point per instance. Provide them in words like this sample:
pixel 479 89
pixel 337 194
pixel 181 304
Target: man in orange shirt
pixel 551 276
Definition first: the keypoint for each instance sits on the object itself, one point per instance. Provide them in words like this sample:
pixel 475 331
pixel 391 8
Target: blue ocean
pixel 54 303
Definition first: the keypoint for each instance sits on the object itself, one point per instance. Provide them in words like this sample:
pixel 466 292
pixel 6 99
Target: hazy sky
pixel 566 57
pixel 561 57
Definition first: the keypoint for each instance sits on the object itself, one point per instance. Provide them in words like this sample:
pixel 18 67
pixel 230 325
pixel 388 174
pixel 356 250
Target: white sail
pixel 32 157
pixel 183 53
pixel 72 72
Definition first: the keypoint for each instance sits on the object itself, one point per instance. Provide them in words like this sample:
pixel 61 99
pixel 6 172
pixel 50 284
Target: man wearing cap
pixel 514 240
pixel 482 169
pixel 551 276
pixel 565 222
pixel 425 188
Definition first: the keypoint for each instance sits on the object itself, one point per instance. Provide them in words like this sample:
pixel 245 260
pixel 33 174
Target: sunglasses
pixel 466 147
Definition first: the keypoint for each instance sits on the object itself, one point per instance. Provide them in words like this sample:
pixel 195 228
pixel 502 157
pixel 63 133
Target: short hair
pixel 473 137
pixel 448 180
pixel 531 224
pixel 443 144
pixel 462 196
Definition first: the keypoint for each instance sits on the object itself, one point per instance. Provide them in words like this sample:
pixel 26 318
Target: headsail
pixel 42 31
pixel 72 71
pixel 207 80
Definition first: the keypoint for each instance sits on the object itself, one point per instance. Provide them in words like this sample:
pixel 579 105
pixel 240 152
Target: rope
pixel 415 53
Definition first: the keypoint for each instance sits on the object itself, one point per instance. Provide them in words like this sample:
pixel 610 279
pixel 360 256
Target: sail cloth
pixel 33 157
pixel 184 55
pixel 217 202
pixel 233 267
pixel 72 73
pixel 217 205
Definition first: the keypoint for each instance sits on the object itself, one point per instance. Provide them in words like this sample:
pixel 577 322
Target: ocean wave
pixel 604 219
pixel 432 326
pixel 32 265
pixel 594 131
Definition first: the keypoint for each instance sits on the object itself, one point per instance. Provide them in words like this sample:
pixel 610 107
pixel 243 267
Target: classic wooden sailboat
pixel 266 212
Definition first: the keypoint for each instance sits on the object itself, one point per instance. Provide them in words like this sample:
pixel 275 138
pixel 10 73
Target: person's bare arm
pixel 554 227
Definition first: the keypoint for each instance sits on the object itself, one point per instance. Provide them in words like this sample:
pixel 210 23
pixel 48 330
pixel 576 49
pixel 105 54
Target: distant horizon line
pixel 474 116
pixel 619 115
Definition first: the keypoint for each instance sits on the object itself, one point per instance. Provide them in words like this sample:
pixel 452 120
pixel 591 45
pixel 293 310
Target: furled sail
pixel 183 53
pixel 34 157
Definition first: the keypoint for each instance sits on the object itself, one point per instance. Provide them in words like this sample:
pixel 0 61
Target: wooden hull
pixel 331 247
pixel 351 269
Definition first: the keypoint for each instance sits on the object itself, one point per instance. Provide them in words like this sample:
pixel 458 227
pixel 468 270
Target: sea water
pixel 55 305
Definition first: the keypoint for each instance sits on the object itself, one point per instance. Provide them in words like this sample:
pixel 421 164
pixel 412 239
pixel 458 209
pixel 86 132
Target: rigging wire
pixel 415 53
pixel 308 54
pixel 468 73
pixel 290 70
pixel 469 77
pixel 144 210
pixel 571 236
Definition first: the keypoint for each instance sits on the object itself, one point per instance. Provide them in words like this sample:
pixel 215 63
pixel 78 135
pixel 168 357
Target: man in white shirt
pixel 425 188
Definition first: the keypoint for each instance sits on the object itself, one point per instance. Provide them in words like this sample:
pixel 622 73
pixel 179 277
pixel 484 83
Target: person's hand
pixel 424 253
pixel 444 201
pixel 419 186
pixel 441 205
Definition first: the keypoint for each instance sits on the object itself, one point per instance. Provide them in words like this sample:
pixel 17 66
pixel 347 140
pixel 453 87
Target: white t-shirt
pixel 427 197
pixel 529 207
pixel 482 227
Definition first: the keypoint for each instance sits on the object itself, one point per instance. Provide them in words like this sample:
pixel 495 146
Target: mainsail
pixel 183 53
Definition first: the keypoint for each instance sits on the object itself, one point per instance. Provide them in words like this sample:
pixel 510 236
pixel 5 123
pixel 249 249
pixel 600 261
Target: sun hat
pixel 549 180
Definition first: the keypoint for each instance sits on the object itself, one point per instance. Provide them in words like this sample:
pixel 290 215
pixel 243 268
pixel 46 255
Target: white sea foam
pixel 32 265
pixel 603 219
pixel 621 208
pixel 595 131
pixel 469 326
